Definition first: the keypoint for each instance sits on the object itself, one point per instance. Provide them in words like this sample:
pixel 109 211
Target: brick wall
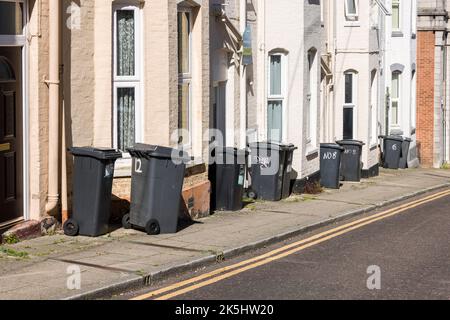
pixel 425 96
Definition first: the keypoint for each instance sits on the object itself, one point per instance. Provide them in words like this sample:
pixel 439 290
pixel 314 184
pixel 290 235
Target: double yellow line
pixel 209 278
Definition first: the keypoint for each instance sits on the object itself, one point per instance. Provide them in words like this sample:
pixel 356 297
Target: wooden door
pixel 11 138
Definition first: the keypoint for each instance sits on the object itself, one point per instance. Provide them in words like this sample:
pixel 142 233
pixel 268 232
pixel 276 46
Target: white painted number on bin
pixel 138 166
pixel 394 147
pixel 330 155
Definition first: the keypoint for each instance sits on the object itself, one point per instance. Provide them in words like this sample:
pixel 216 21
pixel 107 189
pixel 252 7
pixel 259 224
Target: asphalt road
pixel 407 256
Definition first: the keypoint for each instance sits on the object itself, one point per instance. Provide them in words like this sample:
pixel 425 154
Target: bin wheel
pixel 152 227
pixel 71 228
pixel 126 221
pixel 252 195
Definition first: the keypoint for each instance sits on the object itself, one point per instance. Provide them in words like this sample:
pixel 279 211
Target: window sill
pixel 352 24
pixel 311 151
pixel 397 34
pixel 123 168
pixel 373 146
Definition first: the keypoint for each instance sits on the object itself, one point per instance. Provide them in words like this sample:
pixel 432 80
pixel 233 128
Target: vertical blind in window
pixel 275 99
pixel 395 97
pixel 396 14
pixel 275 120
pixel 125 43
pixel 351 7
pixel 126 117
pixel 126 67
pixel 183 42
pixel 184 76
pixel 275 75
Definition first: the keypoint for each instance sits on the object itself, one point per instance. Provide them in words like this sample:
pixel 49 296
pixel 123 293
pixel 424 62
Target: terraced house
pixel 352 69
pixel 163 72
pixel 433 102
pixel 98 73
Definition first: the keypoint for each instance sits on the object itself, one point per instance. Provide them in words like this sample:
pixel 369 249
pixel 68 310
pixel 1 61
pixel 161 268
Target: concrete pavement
pixel 126 259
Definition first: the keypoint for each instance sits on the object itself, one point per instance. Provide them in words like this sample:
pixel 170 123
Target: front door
pixel 220 121
pixel 11 138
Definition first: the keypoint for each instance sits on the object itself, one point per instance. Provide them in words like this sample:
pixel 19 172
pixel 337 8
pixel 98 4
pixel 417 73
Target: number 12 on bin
pixel 138 165
pixel 330 155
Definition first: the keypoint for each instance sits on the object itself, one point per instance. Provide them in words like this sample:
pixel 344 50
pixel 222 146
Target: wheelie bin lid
pixel 331 146
pixel 350 143
pixel 148 151
pixel 97 153
pixel 273 145
pixel 395 138
pixel 231 150
pixel 407 139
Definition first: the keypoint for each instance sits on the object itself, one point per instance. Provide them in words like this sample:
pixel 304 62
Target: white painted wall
pixel 401 53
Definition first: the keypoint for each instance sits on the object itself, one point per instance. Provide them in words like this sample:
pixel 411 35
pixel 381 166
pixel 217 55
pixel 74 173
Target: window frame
pixel 398 3
pixel 413 112
pixel 135 81
pixel 311 112
pixel 277 97
pixel 373 109
pixel 352 16
pixel 186 78
pixel 354 104
pixel 398 99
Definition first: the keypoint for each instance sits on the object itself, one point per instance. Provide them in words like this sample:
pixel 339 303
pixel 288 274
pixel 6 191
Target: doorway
pixel 220 112
pixel 11 135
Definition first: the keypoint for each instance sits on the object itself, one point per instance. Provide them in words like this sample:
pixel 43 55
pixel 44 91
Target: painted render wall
pixel 401 53
pixel 357 48
pixel 285 32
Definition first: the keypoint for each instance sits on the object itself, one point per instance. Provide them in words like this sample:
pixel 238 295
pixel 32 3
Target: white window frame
pixel 129 81
pixel 398 99
pixel 280 97
pixel 354 104
pixel 413 101
pixel 373 110
pixel 398 2
pixel 16 40
pixel 313 101
pixel 186 78
pixel 352 16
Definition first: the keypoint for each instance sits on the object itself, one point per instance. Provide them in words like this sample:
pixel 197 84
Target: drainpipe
pixel 64 202
pixel 243 82
pixel 53 122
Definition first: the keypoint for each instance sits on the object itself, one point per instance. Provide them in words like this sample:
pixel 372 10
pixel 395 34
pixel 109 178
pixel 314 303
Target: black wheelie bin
pixel 392 151
pixel 156 185
pixel 330 165
pixel 267 170
pixel 227 175
pixel 92 186
pixel 351 164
